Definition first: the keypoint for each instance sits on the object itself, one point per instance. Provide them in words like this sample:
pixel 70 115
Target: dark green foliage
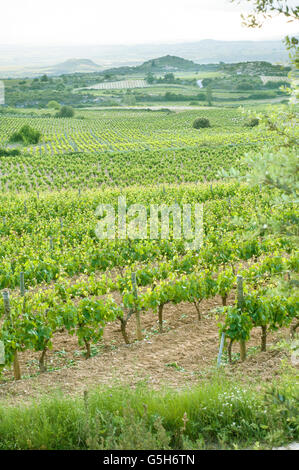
pixel 262 95
pixel 253 122
pixel 256 68
pixel 66 112
pixel 201 123
pixel 169 78
pixel 26 135
pixel 9 152
pixel 170 96
pixel 150 78
pixel 275 85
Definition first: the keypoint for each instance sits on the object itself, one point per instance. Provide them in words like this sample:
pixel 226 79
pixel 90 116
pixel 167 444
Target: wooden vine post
pixel 51 244
pixel 160 317
pixel 220 350
pixel 2 354
pixel 22 284
pixel 240 299
pixel 22 289
pixel 295 325
pixel 16 365
pixel 229 205
pixel 137 313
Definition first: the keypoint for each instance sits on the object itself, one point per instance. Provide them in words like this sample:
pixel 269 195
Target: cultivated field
pixel 85 311
pixel 94 131
pixel 122 84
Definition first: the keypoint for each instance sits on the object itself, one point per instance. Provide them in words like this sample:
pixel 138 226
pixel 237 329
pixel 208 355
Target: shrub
pixel 66 112
pixel 201 122
pixel 253 122
pixel 53 105
pixel 9 152
pixel 26 135
pixel 262 95
pixel 245 86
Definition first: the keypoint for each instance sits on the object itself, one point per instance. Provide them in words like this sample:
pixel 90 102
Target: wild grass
pixel 216 415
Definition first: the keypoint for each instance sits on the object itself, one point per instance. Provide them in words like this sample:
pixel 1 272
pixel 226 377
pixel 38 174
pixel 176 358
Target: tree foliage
pixel 276 166
pixel 26 135
pixel 201 122
pixel 53 105
pixel 266 9
pixel 263 10
pixel 66 112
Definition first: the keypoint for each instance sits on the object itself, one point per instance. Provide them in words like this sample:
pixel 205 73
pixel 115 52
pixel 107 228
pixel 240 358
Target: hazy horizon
pixel 148 43
pixel 130 23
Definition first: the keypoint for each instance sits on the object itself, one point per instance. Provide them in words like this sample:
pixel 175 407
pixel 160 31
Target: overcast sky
pixel 41 22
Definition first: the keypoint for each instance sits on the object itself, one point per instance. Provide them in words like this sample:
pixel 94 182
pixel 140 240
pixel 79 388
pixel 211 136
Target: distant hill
pixel 255 68
pixel 169 63
pixel 22 61
pixel 73 66
pixel 163 64
pixel 211 51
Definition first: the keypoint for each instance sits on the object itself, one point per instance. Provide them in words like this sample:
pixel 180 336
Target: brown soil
pixel 184 354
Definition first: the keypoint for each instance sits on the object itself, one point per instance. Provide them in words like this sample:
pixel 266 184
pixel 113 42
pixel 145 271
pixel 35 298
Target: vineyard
pixel 95 132
pixel 78 284
pixel 69 296
pixel 149 230
pixel 123 84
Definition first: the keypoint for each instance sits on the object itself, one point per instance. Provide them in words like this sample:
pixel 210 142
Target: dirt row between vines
pixel 184 354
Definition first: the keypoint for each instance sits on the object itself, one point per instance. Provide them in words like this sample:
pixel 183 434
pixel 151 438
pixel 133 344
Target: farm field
pixel 224 85
pixel 96 131
pixel 122 84
pixel 70 274
pixel 184 353
pixel 122 312
pixel 149 231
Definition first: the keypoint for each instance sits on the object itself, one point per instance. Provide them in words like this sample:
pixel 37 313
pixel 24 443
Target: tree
pixel 53 105
pixel 150 78
pixel 169 78
pixel 129 98
pixel 201 123
pixel 65 112
pixel 276 165
pixel 209 95
pixel 253 122
pixel 265 9
pixel 26 135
